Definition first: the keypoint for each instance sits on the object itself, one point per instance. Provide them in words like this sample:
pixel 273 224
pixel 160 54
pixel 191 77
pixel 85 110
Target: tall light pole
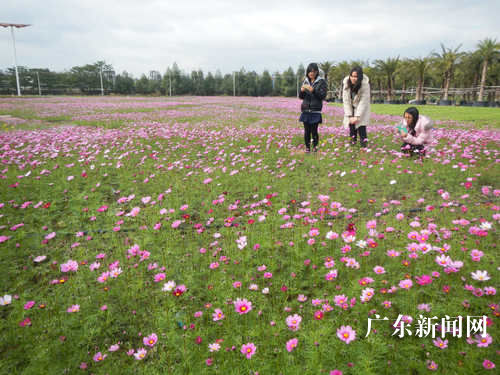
pixel 234 83
pixel 18 26
pixel 38 79
pixel 102 87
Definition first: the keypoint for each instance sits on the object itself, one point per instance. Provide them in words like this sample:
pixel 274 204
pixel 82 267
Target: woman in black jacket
pixel 312 93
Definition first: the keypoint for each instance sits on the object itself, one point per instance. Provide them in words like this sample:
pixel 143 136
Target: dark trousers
pixel 413 149
pixel 311 130
pixel 353 133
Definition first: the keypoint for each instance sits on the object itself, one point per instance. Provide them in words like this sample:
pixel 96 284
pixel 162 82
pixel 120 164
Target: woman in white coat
pixel 356 98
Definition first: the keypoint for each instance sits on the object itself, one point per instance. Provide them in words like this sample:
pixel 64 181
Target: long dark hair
pixel 312 67
pixel 414 114
pixel 355 88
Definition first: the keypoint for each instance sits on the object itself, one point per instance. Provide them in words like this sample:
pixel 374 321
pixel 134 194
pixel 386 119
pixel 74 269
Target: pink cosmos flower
pixel 339 300
pixel 176 224
pixel 237 284
pixel 4 238
pixel 291 344
pixel 50 236
pixel 379 270
pixel 73 308
pixel 39 258
pixel 94 266
pixel 28 305
pixel 440 343
pixel 293 322
pixel 104 277
pixel 483 342
pixel 332 235
pixel 98 357
pixel 406 284
pixel 70 265
pixel 179 290
pixel 159 277
pixel 424 307
pixel 25 322
pixel 242 306
pixel 489 290
pixel 423 280
pixel 248 350
pixel 346 334
pixel 387 304
pixel 367 294
pixel 140 354
pixel 318 315
pixel 431 365
pixel 332 275
pixel 114 348
pixel 217 315
pixel 134 212
pixel 150 340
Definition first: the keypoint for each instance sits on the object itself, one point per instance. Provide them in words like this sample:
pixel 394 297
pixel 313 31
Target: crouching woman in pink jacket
pixel 417 134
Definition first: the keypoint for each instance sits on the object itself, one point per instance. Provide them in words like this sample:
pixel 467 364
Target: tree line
pixel 449 73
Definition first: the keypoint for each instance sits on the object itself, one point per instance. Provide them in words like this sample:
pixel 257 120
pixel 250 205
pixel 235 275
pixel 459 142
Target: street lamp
pixel 17 26
pixel 234 83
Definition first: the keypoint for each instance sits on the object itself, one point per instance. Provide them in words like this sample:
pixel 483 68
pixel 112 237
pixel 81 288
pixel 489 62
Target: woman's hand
pixel 402 134
pixel 353 120
pixel 303 88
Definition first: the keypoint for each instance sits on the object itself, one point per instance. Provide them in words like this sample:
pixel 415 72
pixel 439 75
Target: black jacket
pixel 313 102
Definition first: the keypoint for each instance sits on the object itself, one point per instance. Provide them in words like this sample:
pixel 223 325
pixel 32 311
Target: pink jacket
pixel 423 132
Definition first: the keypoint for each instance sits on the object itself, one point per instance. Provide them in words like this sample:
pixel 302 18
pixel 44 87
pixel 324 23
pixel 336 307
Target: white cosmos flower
pixel 169 286
pixel 485 226
pixel 480 275
pixel 5 300
pixel 361 244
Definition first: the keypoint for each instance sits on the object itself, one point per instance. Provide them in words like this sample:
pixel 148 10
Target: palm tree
pixel 405 75
pixel 447 59
pixel 337 74
pixel 420 66
pixel 325 67
pixel 388 68
pixel 488 49
pixel 468 74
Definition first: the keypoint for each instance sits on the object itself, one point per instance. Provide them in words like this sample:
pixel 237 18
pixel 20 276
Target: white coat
pixel 359 106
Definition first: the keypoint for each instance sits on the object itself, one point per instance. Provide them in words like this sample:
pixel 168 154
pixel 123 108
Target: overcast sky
pixel 139 36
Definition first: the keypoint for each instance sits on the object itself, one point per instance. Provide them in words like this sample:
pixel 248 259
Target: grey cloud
pixel 139 36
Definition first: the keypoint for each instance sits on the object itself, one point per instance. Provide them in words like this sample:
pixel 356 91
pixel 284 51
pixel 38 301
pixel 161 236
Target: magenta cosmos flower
pixel 248 350
pixel 346 334
pixel 487 364
pixel 242 306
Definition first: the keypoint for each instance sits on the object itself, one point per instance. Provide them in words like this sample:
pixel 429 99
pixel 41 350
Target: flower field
pixel 194 235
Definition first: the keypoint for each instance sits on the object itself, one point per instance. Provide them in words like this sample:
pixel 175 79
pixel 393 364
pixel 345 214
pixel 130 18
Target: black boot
pixel 362 136
pixel 352 134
